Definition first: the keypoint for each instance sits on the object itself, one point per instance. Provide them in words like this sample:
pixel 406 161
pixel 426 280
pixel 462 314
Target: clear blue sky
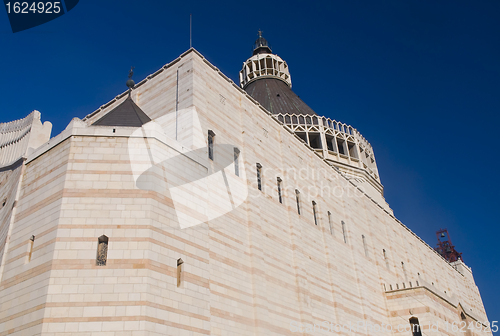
pixel 419 79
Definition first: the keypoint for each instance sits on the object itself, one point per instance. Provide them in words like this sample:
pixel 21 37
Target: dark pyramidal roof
pixel 125 114
pixel 277 97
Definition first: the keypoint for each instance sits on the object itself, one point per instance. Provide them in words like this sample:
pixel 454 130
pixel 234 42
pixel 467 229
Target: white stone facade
pixel 251 265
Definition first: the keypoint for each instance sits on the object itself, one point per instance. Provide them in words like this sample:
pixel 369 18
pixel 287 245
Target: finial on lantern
pixel 130 82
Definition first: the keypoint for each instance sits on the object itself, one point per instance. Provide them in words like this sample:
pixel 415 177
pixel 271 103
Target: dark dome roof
pixel 277 97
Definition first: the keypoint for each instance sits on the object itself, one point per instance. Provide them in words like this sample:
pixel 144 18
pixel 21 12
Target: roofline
pixel 154 74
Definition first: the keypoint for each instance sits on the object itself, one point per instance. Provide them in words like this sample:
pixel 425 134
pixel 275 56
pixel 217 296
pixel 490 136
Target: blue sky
pixel 419 79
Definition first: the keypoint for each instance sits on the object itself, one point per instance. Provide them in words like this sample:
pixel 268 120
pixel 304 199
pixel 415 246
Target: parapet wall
pixel 18 139
pixel 19 136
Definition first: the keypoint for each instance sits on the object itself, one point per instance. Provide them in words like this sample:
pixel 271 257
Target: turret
pixel 266 77
pixel 264 64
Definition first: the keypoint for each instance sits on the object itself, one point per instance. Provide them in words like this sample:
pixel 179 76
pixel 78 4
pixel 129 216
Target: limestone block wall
pixel 26 267
pixel 354 291
pixel 136 290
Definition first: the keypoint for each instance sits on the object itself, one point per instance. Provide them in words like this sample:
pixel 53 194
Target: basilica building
pixel 194 205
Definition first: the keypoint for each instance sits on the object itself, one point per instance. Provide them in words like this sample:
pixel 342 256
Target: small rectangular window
pixel 341 146
pixel 236 161
pixel 353 153
pixel 279 190
pixel 330 143
pixel 314 213
pixel 102 251
pixel 415 327
pixel 297 198
pixel 315 140
pixel 330 222
pixel 31 243
pixel 179 272
pixel 259 176
pixel 211 136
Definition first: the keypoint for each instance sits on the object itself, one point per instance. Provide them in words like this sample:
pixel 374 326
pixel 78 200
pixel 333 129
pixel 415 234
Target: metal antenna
pixel 190 31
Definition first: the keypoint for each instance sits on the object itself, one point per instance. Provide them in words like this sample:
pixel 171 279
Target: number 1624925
pixel 48 7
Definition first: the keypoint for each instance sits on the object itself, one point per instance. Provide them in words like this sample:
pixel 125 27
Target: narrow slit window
pixel 211 138
pixel 31 243
pixel 102 251
pixel 259 176
pixel 279 190
pixel 386 260
pixel 364 245
pixel 179 271
pixel 404 270
pixel 236 161
pixel 344 233
pixel 415 327
pixel 315 213
pixel 330 222
pixel 297 198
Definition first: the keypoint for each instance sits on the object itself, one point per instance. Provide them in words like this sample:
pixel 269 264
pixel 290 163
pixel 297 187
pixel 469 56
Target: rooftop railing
pixel 308 120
